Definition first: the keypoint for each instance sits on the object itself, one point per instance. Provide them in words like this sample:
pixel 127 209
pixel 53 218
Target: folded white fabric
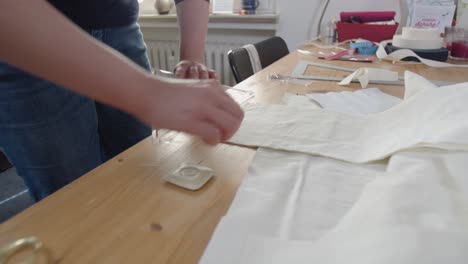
pixel 431 117
pixel 364 75
pixel 415 83
pixel 364 101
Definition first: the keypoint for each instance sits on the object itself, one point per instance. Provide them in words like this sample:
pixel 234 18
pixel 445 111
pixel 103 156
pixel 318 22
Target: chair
pixel 4 163
pixel 269 51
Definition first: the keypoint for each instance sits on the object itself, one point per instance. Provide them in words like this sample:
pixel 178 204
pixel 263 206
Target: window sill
pixel 216 21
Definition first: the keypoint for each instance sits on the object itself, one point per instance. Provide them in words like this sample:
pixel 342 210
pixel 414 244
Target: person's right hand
pixel 201 108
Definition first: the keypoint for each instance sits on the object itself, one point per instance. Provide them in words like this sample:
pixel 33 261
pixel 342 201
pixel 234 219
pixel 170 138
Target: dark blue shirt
pixel 97 14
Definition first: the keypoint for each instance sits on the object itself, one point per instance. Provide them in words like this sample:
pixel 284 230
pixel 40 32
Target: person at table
pixel 74 74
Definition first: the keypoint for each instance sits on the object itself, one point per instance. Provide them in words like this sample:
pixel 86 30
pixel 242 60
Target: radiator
pixel 164 55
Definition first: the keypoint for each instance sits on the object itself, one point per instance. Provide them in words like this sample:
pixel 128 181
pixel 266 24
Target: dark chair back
pixel 269 51
pixel 4 163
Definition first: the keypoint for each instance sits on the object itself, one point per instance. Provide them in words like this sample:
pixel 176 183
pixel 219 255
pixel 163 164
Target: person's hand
pixel 186 69
pixel 201 108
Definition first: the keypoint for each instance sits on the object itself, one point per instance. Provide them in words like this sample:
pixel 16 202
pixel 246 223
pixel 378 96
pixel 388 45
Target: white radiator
pixel 164 55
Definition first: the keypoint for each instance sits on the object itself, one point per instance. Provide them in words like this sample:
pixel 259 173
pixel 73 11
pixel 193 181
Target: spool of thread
pixel 420 33
pixel 418 38
pixel 421 44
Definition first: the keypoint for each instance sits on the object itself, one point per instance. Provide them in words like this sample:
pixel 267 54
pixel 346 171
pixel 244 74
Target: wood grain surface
pixel 124 212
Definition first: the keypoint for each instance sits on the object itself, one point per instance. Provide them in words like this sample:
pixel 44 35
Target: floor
pixel 14 197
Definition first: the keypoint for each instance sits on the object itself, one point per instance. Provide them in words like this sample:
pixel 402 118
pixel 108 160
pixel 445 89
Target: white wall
pixel 295 19
pixel 296 16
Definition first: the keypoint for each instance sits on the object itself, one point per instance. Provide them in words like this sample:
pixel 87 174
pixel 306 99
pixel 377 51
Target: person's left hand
pixel 187 69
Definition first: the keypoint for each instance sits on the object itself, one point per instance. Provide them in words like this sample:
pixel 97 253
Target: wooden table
pixel 124 212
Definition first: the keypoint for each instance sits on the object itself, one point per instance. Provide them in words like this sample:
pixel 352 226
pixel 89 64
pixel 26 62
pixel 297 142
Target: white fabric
pixel 294 208
pixel 364 75
pixel 415 213
pixel 416 83
pixel 364 101
pixel 290 196
pixel 300 100
pixel 432 117
pixel 254 57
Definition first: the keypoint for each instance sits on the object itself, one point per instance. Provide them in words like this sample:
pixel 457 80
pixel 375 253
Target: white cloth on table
pixel 414 213
pixel 298 208
pixel 364 75
pixel 431 117
pixel 415 83
pixel 328 189
pixel 294 209
pixel 364 101
pixel 291 196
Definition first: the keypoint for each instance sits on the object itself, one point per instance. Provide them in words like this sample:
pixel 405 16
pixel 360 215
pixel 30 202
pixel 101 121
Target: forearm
pixel 46 44
pixel 193 22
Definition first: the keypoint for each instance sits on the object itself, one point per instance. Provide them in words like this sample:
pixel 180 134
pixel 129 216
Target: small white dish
pixel 190 176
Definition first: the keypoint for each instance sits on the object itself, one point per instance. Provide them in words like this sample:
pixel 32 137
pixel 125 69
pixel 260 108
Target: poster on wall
pixel 432 13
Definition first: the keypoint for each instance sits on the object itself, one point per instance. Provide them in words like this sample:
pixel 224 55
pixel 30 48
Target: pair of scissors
pixel 32 247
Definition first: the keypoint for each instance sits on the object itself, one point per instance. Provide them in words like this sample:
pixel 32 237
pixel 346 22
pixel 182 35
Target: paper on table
pixel 403 53
pixel 432 117
pixel 364 75
pixel 365 101
pixel 415 213
pixel 288 195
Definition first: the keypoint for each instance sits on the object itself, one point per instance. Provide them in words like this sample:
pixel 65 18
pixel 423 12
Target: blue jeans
pixel 52 135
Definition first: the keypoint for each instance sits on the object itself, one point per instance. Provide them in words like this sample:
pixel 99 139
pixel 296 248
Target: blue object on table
pixel 365 47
